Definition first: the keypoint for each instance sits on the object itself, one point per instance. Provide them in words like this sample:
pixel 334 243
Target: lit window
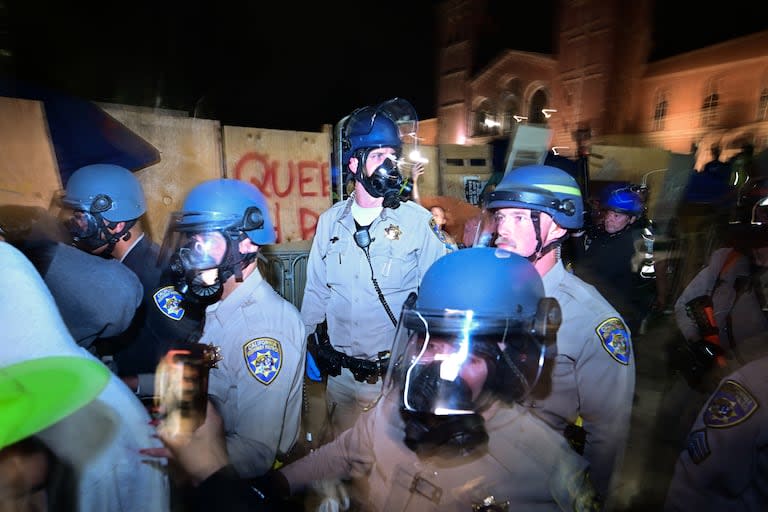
pixel 709 110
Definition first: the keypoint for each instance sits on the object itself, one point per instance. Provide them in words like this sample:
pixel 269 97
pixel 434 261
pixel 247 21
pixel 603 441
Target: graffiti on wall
pixel 298 191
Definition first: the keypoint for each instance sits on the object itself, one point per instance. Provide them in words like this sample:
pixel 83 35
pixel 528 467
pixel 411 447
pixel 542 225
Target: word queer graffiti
pixel 298 191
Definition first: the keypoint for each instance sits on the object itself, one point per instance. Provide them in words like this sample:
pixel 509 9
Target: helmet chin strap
pixel 540 251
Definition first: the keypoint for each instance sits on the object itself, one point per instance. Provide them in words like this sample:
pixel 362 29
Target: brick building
pixel 599 80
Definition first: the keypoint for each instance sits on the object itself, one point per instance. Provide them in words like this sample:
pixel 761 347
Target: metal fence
pixel 286 269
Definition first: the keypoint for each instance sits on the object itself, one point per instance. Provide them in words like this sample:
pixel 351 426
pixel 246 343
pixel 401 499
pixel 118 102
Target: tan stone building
pixel 599 81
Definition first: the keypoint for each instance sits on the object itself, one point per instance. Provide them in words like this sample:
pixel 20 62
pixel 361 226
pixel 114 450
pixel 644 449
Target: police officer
pixel 112 290
pixel 368 253
pixel 730 284
pixel 721 314
pixel 608 254
pixel 213 244
pixel 593 378
pixel 447 434
pixel 102 206
pixel 721 467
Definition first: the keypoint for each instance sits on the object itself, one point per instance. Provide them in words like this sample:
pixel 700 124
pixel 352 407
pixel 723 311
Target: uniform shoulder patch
pixel 168 301
pixel 615 339
pixel 436 230
pixel 263 358
pixel 698 446
pixel 730 405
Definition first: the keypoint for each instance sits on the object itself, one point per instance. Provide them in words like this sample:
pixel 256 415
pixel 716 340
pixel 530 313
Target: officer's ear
pixel 555 231
pixel 353 164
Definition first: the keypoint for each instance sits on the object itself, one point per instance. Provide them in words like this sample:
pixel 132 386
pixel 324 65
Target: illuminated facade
pixel 599 81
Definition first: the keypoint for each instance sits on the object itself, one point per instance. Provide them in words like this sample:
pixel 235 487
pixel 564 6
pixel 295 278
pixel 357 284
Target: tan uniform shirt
pixel 526 463
pixel 593 375
pixel 340 288
pixel 257 387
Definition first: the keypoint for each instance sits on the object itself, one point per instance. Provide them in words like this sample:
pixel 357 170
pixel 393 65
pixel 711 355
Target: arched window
pixel 538 102
pixel 709 110
pixel 660 113
pixel 511 108
pixel 762 106
pixel 484 123
pixel 510 105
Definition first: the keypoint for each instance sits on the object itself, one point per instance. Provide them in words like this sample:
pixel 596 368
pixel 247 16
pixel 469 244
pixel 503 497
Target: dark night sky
pixel 293 65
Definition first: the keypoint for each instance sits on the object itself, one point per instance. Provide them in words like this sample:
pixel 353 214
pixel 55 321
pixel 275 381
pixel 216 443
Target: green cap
pixel 37 393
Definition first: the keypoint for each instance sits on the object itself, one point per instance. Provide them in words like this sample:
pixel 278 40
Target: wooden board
pixel 29 174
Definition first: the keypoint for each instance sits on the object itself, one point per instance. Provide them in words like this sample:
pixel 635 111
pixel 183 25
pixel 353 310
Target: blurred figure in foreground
pixel 34 395
pixel 722 468
pixel 100 441
pixel 97 297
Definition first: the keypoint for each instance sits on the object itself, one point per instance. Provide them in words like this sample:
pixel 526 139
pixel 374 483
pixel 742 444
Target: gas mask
pixel 427 433
pixel 90 232
pixel 386 181
pixel 204 262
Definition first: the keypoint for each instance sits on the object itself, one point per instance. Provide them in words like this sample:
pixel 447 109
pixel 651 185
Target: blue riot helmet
pixel 467 341
pixel 96 198
pixel 622 199
pixel 541 189
pixel 202 243
pixel 374 127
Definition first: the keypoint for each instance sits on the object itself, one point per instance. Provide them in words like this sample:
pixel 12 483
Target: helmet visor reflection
pixel 203 251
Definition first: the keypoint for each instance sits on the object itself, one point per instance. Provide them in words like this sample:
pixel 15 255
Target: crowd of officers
pixel 495 377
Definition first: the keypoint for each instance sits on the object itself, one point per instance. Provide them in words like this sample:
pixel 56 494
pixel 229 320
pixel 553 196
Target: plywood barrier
pixel 29 175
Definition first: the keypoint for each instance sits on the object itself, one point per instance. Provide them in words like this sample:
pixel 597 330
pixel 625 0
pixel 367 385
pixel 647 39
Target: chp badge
pixel 263 358
pixel 393 232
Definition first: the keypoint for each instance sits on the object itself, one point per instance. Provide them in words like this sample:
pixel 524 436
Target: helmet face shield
pixel 203 251
pixel 197 239
pixel 453 362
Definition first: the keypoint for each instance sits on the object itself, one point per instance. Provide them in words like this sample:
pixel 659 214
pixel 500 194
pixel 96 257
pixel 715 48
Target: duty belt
pixel 364 370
